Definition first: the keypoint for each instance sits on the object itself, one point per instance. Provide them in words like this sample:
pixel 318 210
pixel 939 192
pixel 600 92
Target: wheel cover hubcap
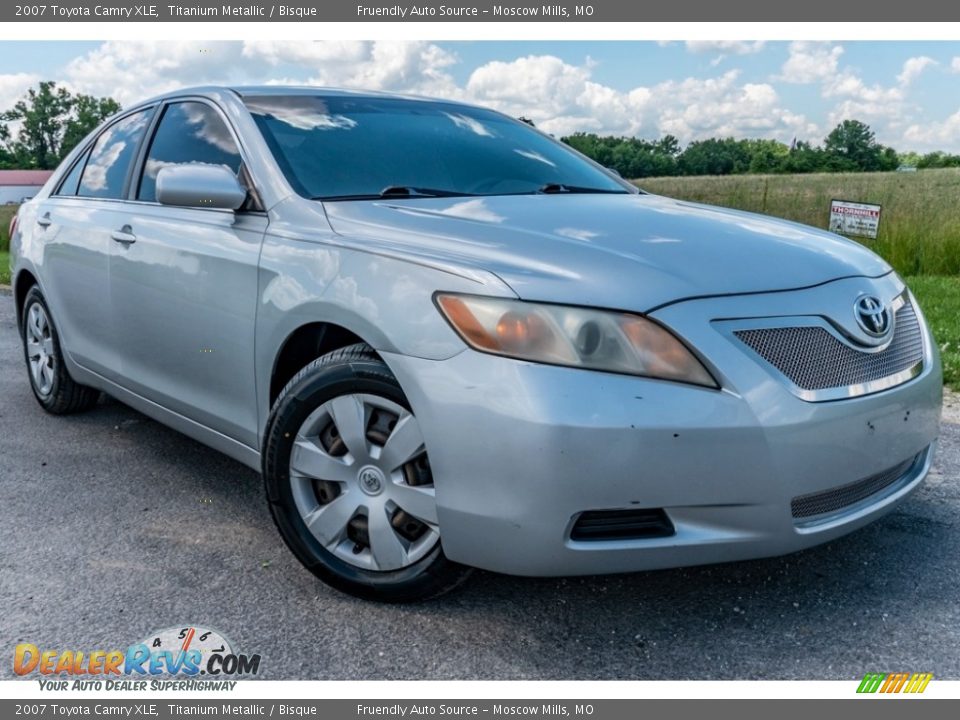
pixel 40 355
pixel 352 474
pixel 371 480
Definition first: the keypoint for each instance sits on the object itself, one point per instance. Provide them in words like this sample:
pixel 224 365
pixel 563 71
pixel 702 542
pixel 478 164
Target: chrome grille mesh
pixel 828 501
pixel 814 359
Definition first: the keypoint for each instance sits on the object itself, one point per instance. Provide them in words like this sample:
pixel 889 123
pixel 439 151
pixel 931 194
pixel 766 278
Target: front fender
pixel 387 301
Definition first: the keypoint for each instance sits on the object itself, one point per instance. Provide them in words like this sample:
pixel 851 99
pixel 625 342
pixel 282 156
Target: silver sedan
pixel 450 341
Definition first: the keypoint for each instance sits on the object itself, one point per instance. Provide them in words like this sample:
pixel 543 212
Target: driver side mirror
pixel 200 186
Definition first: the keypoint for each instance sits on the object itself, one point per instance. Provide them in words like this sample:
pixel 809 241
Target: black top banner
pixel 483 11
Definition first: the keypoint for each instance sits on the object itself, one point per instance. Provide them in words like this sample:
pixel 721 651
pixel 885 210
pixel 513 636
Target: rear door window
pixel 106 170
pixel 189 133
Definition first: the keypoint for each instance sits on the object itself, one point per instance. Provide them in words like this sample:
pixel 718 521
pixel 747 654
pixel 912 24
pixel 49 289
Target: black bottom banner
pixel 619 709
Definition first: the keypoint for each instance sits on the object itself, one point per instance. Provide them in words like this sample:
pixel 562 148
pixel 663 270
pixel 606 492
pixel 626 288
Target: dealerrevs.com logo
pixel 202 658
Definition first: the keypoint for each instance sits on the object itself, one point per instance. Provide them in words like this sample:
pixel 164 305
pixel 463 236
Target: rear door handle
pixel 124 235
pixel 44 220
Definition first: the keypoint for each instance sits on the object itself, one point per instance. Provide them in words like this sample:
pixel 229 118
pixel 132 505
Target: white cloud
pixel 698 108
pixel 534 77
pixel 884 107
pixel 130 71
pixel 810 62
pixel 13 87
pixel 724 48
pixel 410 67
pixel 881 107
pixel 913 67
pixel 934 135
pixel 727 47
pixel 850 85
pixel 560 96
pixel 308 54
pixel 407 66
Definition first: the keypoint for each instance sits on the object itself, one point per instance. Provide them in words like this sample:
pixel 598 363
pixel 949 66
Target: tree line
pixel 850 147
pixel 48 122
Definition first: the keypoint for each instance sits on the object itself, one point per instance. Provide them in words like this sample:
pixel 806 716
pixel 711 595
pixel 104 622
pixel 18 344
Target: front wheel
pixel 349 482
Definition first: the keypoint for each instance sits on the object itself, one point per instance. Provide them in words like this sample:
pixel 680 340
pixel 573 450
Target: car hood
pixel 631 252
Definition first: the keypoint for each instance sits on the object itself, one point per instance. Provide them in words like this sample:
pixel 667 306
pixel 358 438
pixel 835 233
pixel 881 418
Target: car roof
pixel 243 91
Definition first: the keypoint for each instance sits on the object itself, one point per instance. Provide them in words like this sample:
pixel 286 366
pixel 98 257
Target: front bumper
pixel 520 450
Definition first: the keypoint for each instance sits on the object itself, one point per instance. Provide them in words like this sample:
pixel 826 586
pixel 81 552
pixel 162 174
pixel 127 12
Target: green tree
pixel 88 113
pixel 767 156
pixel 52 122
pixel 911 159
pixel 715 156
pixel 7 160
pixel 938 159
pixel 41 115
pixel 852 146
pixel 804 158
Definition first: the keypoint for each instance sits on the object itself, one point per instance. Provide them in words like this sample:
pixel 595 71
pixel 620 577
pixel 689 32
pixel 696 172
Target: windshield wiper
pixel 410 191
pixel 561 189
pixel 397 191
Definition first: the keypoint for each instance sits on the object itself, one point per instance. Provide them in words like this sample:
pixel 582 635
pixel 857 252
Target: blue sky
pixel 909 92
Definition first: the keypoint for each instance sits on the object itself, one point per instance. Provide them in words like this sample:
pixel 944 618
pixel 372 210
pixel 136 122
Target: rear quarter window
pixel 71 183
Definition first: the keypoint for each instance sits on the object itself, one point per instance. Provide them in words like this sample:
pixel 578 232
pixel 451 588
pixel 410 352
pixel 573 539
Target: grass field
pixel 6 214
pixel 939 298
pixel 919 225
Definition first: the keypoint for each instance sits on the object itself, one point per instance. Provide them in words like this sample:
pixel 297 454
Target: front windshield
pixel 351 147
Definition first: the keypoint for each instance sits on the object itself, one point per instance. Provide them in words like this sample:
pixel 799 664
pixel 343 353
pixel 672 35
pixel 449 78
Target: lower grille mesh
pixel 814 359
pixel 828 501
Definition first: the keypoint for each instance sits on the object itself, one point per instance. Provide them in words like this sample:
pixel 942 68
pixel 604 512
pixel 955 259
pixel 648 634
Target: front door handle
pixel 124 235
pixel 44 220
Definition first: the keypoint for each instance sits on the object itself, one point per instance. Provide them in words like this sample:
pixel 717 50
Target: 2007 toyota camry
pixel 449 341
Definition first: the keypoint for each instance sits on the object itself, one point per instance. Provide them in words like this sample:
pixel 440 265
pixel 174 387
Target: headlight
pixel 572 336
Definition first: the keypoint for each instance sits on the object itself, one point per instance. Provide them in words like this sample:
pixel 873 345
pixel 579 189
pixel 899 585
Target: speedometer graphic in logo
pixel 181 640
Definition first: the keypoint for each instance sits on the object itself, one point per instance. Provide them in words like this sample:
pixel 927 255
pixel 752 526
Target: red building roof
pixel 24 177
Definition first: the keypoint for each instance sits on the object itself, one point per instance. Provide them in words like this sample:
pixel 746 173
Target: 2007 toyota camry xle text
pixel 450 341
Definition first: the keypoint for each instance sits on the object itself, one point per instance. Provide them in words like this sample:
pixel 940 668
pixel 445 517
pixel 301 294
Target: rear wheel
pixel 349 481
pixel 52 385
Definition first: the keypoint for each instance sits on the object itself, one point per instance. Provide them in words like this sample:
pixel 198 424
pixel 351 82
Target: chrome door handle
pixel 124 235
pixel 44 220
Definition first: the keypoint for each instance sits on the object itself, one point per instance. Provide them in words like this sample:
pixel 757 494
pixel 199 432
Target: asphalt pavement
pixel 113 526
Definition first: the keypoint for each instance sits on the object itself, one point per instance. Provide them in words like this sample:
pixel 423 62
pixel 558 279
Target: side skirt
pixel 192 429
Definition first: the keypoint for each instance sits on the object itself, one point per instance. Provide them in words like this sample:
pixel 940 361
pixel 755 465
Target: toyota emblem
pixel 872 316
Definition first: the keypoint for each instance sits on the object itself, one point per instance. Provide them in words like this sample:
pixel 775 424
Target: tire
pixel 50 380
pixel 382 552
